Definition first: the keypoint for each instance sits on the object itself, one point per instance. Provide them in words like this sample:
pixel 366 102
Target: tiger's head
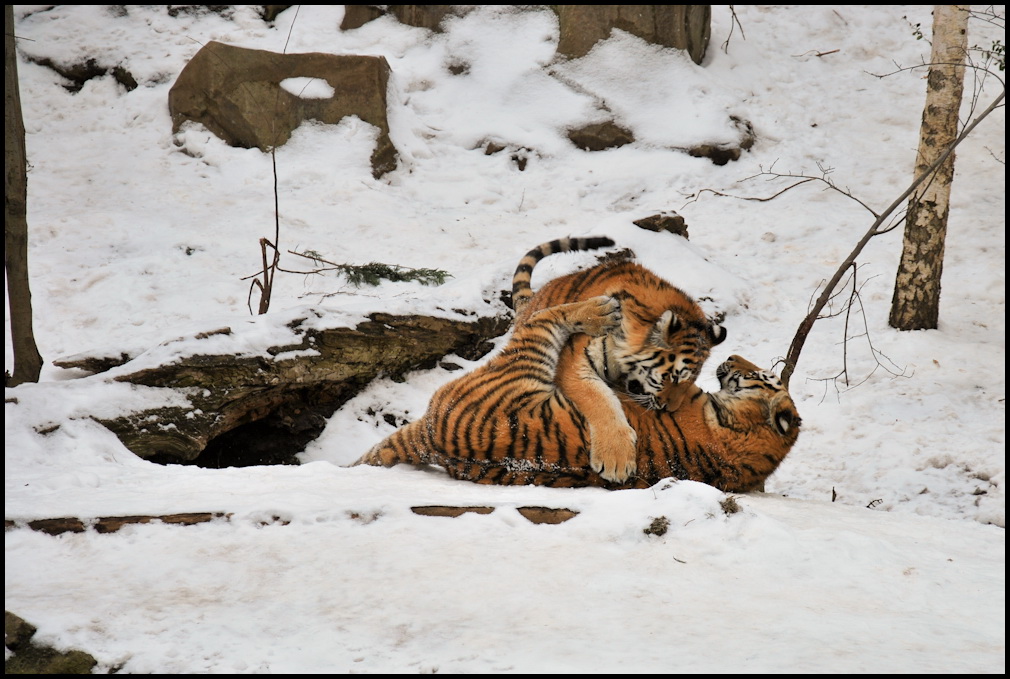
pixel 652 358
pixel 754 400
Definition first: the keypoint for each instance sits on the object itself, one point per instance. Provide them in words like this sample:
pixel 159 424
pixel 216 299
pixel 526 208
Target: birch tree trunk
pixel 916 301
pixel 27 361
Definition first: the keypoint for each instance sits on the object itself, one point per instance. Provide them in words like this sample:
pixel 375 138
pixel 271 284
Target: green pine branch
pixel 374 273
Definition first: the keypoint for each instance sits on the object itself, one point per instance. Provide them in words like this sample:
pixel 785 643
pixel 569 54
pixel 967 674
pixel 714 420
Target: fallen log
pixel 288 393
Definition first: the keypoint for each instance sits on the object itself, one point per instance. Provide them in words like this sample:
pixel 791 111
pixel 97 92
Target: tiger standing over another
pixel 509 410
pixel 519 410
pixel 507 422
pixel 653 359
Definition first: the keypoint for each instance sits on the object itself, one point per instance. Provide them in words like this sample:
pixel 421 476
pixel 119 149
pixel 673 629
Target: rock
pixel 549 515
pixel 450 512
pixel 80 72
pixel 664 221
pixel 422 16
pixel 236 93
pixel 30 658
pixel 270 407
pixel 520 156
pixel 720 154
pixel 17 632
pixel 600 136
pixel 686 27
pixel 270 12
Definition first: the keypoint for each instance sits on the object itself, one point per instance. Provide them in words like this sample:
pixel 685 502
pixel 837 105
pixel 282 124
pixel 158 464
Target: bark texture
pixel 27 360
pixel 916 301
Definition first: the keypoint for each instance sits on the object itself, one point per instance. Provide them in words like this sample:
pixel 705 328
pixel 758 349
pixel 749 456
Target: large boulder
pixel 685 27
pixel 423 16
pixel 245 409
pixel 236 93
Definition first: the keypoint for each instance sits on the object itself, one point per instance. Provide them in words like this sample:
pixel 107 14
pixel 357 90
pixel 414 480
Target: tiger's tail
pixel 521 290
pixel 409 444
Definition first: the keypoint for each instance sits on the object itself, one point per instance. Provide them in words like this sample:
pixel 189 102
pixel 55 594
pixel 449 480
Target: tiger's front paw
pixel 612 454
pixel 603 315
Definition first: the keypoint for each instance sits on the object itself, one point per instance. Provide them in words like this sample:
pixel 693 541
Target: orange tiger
pixel 518 412
pixel 733 439
pixel 665 333
pixel 660 347
pixel 510 410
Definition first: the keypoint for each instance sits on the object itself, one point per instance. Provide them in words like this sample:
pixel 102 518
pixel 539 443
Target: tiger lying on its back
pixel 661 345
pixel 732 439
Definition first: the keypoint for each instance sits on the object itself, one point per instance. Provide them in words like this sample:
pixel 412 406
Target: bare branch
pixel 734 21
pixel 816 53
pixel 270 269
pixel 799 339
pixel 754 198
pixel 830 185
pixel 876 228
pixel 982 71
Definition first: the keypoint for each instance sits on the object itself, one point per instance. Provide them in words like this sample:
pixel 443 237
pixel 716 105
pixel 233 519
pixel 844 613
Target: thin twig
pixel 734 21
pixel 759 199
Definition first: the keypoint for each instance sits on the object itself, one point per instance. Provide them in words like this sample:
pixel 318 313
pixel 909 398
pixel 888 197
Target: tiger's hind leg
pixel 547 331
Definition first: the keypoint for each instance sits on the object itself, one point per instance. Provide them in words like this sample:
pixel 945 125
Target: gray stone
pixel 600 136
pixel 686 27
pixel 294 392
pixel 236 93
pixel 664 221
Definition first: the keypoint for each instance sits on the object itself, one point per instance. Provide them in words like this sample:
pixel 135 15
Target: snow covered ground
pixel 878 545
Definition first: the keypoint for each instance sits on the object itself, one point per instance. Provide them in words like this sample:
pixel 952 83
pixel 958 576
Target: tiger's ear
pixel 716 333
pixel 785 422
pixel 668 324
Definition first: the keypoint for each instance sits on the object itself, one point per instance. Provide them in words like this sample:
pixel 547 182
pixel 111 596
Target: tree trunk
pixel 27 361
pixel 916 301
